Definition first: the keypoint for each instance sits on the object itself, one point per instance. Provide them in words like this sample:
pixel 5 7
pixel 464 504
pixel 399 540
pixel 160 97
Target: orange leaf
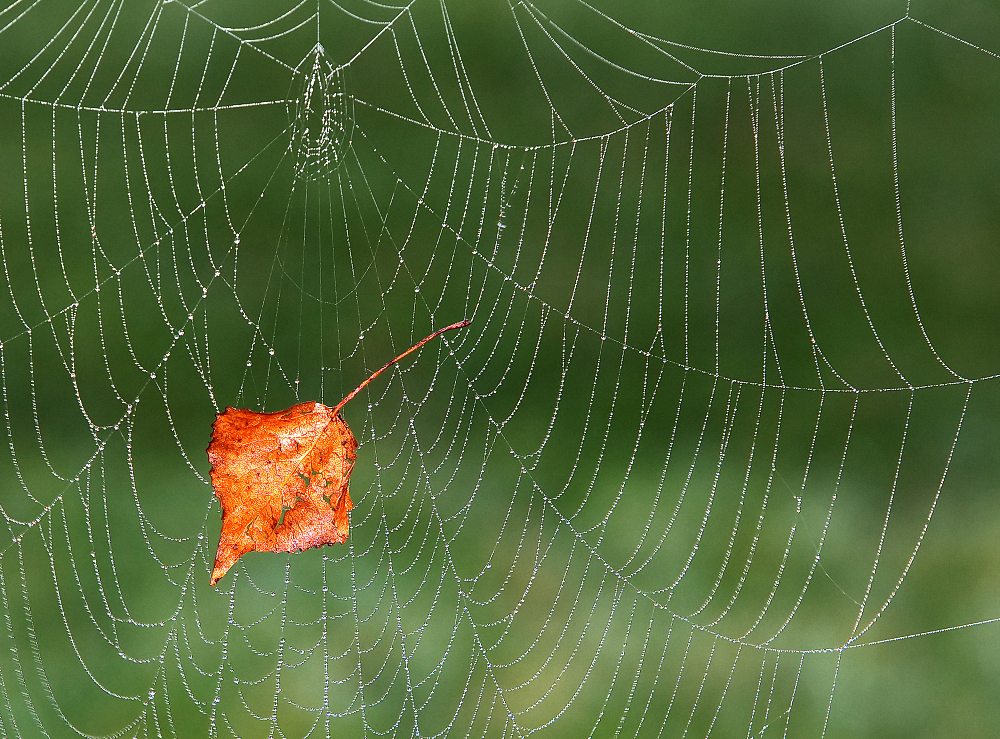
pixel 281 478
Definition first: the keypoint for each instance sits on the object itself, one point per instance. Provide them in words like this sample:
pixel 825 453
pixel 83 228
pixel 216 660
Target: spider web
pixel 732 352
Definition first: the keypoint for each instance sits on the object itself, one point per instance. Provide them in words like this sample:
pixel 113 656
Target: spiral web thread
pixel 679 465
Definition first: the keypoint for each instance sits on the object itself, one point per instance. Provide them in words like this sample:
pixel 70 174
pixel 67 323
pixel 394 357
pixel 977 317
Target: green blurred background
pixel 685 453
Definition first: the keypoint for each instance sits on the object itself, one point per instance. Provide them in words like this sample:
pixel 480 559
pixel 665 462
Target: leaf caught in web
pixel 282 477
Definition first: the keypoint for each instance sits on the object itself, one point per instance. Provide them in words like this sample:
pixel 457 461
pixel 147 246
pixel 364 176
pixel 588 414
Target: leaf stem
pixel 358 389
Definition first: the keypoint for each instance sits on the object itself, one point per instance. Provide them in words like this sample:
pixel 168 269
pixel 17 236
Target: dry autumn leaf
pixel 281 478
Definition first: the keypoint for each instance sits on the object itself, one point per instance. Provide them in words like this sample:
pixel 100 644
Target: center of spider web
pixel 321 128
